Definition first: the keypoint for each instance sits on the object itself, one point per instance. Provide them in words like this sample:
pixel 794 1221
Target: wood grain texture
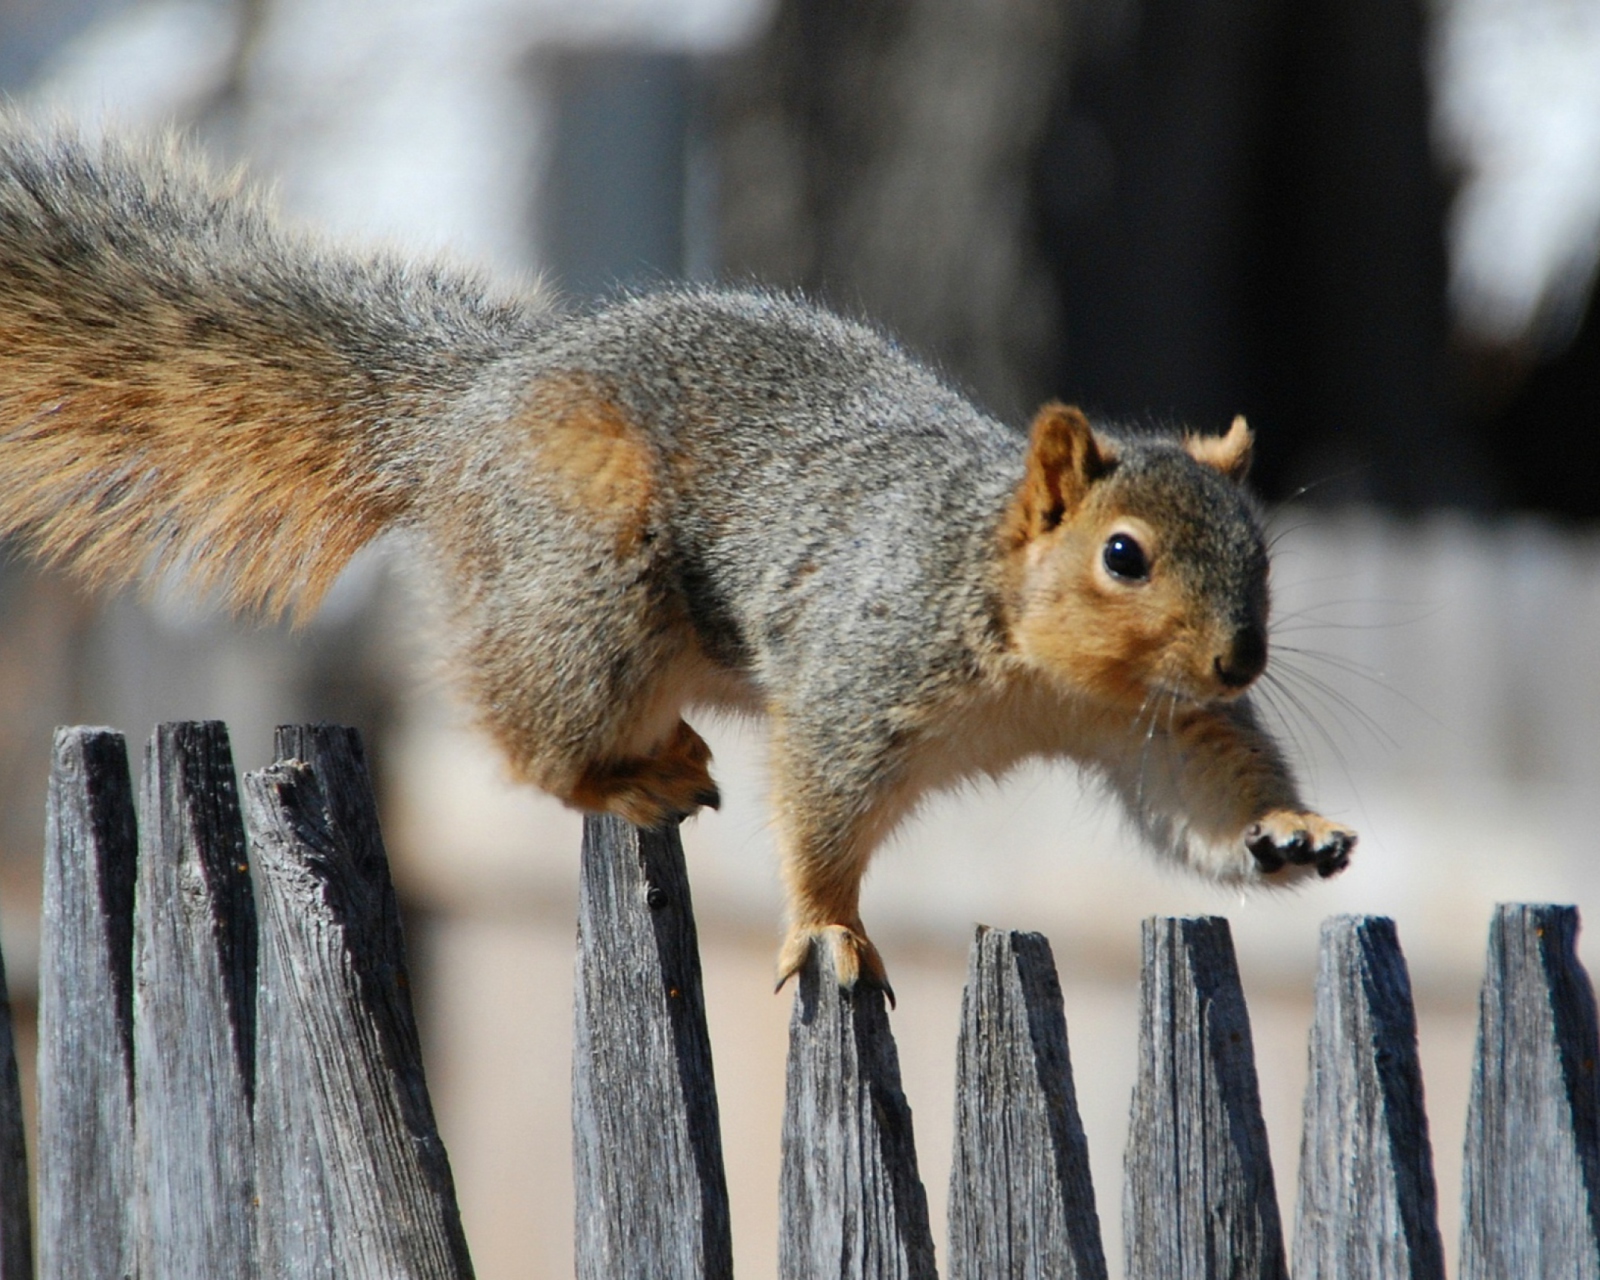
pixel 1198 1199
pixel 194 995
pixel 85 1066
pixel 1021 1199
pixel 1531 1178
pixel 1367 1204
pixel 852 1204
pixel 352 1178
pixel 647 1148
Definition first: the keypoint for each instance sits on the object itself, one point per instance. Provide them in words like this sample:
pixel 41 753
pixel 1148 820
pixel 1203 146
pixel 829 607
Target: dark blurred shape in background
pixel 615 193
pixel 1171 212
pixel 879 157
pixel 1241 211
pixel 32 30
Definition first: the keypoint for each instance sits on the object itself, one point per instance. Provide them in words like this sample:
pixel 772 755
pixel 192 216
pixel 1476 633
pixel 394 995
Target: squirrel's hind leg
pixel 670 783
pixel 591 710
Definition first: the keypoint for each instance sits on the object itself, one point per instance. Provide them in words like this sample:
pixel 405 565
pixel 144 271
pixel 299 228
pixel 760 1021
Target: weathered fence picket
pixel 85 1074
pixel 1021 1199
pixel 208 1109
pixel 647 1146
pixel 1531 1174
pixel 1199 1201
pixel 352 1177
pixel 1367 1205
pixel 194 1000
pixel 202 1114
pixel 851 1201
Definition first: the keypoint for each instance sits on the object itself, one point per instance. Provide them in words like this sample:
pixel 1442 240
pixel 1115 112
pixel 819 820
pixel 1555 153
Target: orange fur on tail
pixel 185 388
pixel 218 474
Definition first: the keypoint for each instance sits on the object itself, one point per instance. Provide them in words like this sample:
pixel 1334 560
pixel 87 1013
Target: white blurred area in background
pixel 419 122
pixel 1439 679
pixel 1517 102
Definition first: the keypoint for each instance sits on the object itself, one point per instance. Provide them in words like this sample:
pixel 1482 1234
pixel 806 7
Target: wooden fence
pixel 230 1083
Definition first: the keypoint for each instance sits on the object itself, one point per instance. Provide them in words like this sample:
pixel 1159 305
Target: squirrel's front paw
pixel 854 958
pixel 1285 838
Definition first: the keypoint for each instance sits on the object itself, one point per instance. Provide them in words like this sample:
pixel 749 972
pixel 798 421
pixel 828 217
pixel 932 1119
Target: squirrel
pixel 697 497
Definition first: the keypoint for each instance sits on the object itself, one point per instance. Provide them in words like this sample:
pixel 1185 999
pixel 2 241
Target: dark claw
pixel 882 984
pixel 1266 854
pixel 1300 851
pixel 1336 857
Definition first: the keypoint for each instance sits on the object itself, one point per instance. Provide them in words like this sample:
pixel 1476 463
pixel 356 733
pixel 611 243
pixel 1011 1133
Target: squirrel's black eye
pixel 1125 558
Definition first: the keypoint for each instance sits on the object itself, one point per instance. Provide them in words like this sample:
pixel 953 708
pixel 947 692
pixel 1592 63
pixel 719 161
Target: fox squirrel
pixel 697 497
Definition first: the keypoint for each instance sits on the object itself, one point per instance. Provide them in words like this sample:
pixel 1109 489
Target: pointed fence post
pixel 1021 1199
pixel 852 1203
pixel 353 1179
pixel 652 1198
pixel 1531 1177
pixel 1367 1205
pixel 194 1012
pixel 85 1152
pixel 1199 1202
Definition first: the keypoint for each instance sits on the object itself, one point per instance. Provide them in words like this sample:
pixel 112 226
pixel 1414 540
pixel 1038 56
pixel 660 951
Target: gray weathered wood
pixel 1367 1207
pixel 352 1178
pixel 852 1204
pixel 85 1152
pixel 193 1012
pixel 647 1148
pixel 1531 1174
pixel 1021 1199
pixel 1198 1199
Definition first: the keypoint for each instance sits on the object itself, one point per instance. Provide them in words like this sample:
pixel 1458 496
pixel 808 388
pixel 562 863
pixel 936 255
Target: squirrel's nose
pixel 1245 660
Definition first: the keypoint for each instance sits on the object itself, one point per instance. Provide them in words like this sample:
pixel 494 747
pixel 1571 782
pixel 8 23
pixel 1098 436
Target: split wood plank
pixel 1021 1198
pixel 1367 1203
pixel 85 1068
pixel 852 1202
pixel 647 1147
pixel 352 1178
pixel 1199 1201
pixel 1530 1194
pixel 193 1011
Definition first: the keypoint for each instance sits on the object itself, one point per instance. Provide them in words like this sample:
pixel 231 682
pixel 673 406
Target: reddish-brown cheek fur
pixel 1110 642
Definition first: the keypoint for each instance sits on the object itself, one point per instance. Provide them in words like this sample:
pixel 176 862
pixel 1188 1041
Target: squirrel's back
pixel 798 449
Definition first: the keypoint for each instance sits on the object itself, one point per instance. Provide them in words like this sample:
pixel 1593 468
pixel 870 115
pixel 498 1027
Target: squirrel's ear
pixel 1229 454
pixel 1064 459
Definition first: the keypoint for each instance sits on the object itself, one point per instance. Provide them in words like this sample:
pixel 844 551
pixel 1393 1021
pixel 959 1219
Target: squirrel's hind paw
pixel 654 790
pixel 1285 838
pixel 848 950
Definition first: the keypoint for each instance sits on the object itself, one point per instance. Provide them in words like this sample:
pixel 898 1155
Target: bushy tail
pixel 186 387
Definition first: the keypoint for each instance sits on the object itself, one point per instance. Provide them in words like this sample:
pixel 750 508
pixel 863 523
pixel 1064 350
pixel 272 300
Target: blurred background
pixel 1370 225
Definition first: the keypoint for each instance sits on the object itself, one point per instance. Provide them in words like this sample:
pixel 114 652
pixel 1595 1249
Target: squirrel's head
pixel 1137 566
